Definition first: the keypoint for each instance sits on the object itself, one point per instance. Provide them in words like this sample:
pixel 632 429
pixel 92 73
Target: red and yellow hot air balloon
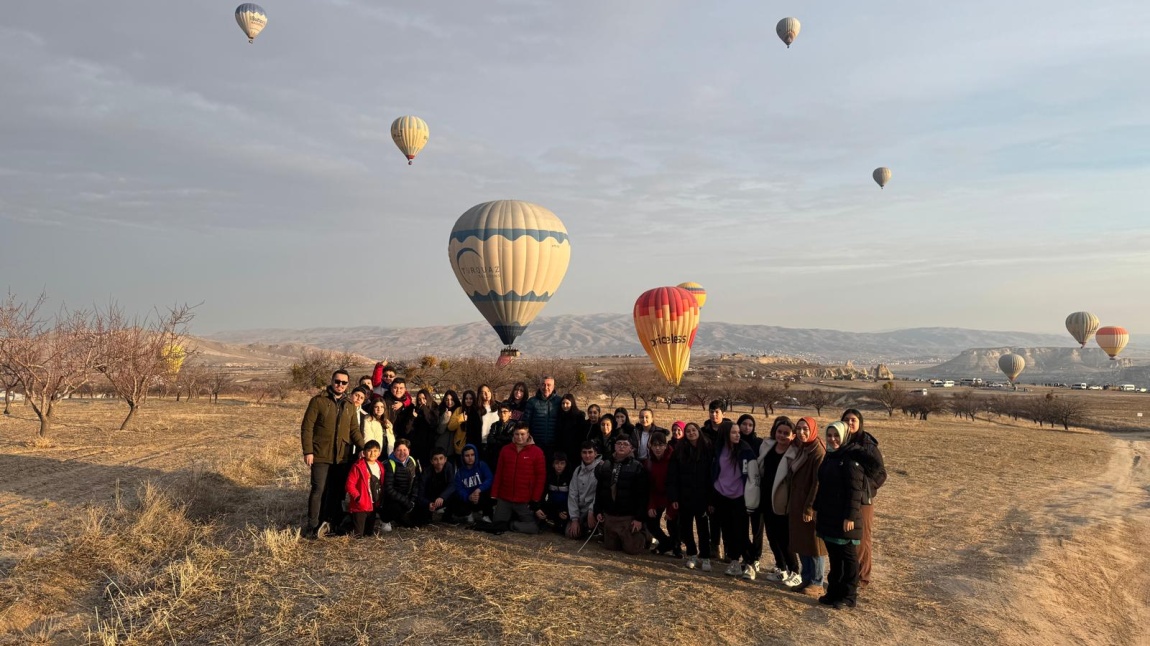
pixel 666 319
pixel 1112 339
pixel 698 291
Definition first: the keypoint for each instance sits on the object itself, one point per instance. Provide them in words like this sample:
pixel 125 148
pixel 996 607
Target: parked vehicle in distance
pixel 1094 388
pixel 1078 386
pixel 1128 388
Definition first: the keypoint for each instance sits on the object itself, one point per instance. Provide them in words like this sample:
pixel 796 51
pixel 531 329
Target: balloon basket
pixel 506 356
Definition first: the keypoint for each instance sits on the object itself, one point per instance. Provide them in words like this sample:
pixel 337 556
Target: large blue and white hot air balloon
pixel 509 257
pixel 252 19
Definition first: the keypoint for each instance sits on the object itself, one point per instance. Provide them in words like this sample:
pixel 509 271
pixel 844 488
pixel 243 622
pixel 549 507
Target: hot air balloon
pixel 666 319
pixel 881 175
pixel 252 19
pixel 1082 326
pixel 697 290
pixel 509 257
pixel 788 30
pixel 1112 339
pixel 410 134
pixel 1011 365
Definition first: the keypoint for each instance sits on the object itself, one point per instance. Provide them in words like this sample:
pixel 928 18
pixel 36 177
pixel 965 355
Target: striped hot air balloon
pixel 697 290
pixel 509 257
pixel 788 30
pixel 1011 365
pixel 666 319
pixel 1112 339
pixel 252 19
pixel 881 176
pixel 1082 326
pixel 410 134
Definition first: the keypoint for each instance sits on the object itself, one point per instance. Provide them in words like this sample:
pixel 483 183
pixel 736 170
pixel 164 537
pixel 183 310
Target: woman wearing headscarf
pixel 875 472
pixel 838 515
pixel 801 505
pixel 678 429
pixel 571 429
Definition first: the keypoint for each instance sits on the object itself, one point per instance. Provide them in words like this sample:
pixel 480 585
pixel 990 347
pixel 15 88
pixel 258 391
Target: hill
pixel 1043 365
pixel 614 334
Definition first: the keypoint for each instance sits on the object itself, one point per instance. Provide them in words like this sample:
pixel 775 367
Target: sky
pixel 154 156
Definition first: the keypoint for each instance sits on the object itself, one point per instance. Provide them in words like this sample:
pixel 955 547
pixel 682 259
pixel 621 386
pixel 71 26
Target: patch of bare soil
pixel 986 532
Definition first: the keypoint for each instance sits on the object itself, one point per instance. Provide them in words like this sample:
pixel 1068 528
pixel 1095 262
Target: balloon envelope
pixel 252 19
pixel 666 319
pixel 881 176
pixel 788 30
pixel 410 134
pixel 1082 326
pixel 509 257
pixel 1011 365
pixel 1112 339
pixel 697 290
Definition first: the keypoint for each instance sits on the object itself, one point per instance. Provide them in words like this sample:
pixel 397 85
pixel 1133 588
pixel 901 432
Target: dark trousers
pixel 325 502
pixel 396 512
pixel 702 524
pixel 779 536
pixel 716 533
pixel 457 506
pixel 364 522
pixel 731 515
pixel 668 540
pixel 843 578
pixel 755 547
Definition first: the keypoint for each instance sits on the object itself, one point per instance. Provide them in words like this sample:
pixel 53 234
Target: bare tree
pixel 190 379
pixel 699 391
pixel 1066 411
pixel 890 396
pixel 816 398
pixel 568 374
pixel 729 389
pixel 764 393
pixel 50 356
pixel 923 406
pixel 471 372
pixel 9 379
pixel 134 353
pixel 613 385
pixel 218 381
pixel 314 367
pixel 966 405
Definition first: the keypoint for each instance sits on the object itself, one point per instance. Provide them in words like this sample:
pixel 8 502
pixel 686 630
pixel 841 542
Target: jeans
pixel 814 569
pixel 516 515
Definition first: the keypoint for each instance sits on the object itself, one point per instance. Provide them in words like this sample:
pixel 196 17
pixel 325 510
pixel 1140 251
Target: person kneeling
pixel 621 500
pixel 438 486
pixel 402 486
pixel 552 513
pixel 519 481
pixel 581 493
pixel 472 490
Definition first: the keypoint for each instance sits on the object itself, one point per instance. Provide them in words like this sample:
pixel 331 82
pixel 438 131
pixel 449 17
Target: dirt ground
pixel 185 531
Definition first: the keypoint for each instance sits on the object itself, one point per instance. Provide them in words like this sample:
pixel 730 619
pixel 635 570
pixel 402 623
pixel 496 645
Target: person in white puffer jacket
pixel 773 466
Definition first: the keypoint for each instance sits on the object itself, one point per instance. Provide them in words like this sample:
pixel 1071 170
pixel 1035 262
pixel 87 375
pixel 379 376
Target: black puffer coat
pixel 629 478
pixel 689 476
pixel 840 494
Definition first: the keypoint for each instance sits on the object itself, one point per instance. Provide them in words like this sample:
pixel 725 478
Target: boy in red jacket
pixel 519 481
pixel 365 488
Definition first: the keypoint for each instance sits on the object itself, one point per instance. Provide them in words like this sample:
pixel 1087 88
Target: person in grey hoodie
pixel 581 493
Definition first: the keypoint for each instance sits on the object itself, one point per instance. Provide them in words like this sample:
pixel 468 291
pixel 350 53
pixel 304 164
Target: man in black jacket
pixel 329 431
pixel 621 500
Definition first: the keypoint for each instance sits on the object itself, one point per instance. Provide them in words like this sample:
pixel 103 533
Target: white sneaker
pixel 756 567
pixel 323 530
pixel 487 519
pixel 734 569
pixel 706 565
pixel 386 527
pixel 793 579
pixel 775 574
pixel 692 562
pixel 749 573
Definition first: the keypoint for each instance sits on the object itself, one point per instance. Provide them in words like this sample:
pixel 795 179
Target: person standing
pixel 801 505
pixel 329 429
pixel 870 459
pixel 838 513
pixel 688 484
pixel 542 415
pixel 733 461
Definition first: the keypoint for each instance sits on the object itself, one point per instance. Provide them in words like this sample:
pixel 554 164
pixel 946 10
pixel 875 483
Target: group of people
pixel 381 458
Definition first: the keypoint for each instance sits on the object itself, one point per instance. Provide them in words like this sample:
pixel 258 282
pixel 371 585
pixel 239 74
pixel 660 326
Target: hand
pixel 573 529
pixel 592 520
pixel 650 513
pixel 474 497
pixel 848 525
pixel 308 459
pixel 396 405
pixel 431 507
pixel 599 518
pixel 636 526
pixel 808 517
pixel 563 515
pixel 437 504
pixel 675 506
pixel 540 515
pixel 465 417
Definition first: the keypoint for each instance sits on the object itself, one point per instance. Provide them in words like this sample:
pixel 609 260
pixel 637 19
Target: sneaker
pixel 386 527
pixel 706 565
pixel 748 572
pixel 486 519
pixel 775 574
pixel 323 530
pixel 792 579
pixel 756 567
pixel 734 569
pixel 692 562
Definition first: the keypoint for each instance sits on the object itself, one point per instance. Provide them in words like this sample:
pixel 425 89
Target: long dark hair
pixel 685 452
pixel 732 447
pixel 781 420
pixel 455 400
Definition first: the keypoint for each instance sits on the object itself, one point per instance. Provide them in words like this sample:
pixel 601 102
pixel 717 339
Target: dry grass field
pixel 185 532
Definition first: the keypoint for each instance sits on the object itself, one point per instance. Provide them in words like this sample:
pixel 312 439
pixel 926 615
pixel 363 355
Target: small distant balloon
pixel 1011 365
pixel 1082 326
pixel 410 134
pixel 788 30
pixel 1112 339
pixel 881 176
pixel 697 290
pixel 252 19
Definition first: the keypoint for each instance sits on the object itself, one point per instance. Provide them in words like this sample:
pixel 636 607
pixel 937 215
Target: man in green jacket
pixel 329 430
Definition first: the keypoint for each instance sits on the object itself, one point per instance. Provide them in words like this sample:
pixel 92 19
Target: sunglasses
pixel 338 382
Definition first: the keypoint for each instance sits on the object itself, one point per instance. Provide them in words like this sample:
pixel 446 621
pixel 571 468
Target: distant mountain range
pixel 1043 365
pixel 612 334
